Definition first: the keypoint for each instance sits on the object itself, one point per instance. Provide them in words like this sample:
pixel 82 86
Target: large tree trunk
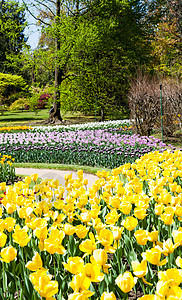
pixel 54 113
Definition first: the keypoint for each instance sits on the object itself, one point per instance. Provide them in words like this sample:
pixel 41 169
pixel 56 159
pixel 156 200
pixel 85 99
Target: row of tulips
pixel 106 147
pixel 15 128
pixel 121 237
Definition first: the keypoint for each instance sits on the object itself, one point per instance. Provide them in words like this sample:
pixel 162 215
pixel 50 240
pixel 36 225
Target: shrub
pixel 19 104
pixel 38 101
pixel 42 101
pixel 10 87
pixel 144 103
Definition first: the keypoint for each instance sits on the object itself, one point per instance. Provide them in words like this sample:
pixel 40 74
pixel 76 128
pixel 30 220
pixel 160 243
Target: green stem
pixel 4 280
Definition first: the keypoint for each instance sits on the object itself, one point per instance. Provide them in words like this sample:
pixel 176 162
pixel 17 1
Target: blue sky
pixel 33 35
pixel 31 31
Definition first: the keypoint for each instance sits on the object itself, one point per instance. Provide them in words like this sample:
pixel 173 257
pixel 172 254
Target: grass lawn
pixel 22 117
pixel 10 118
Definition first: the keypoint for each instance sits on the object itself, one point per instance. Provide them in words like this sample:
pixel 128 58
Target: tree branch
pixel 38 19
pixel 39 2
pixel 70 75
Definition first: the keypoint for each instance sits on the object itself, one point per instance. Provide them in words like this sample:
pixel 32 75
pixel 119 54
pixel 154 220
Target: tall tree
pixel 12 38
pixel 55 16
pixel 164 19
pixel 110 47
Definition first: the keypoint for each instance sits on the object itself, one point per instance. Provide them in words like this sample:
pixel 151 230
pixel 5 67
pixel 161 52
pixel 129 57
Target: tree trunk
pixel 54 113
pixel 102 114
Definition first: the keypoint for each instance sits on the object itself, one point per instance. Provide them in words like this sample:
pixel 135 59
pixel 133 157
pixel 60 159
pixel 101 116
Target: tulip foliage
pixel 7 170
pixel 119 238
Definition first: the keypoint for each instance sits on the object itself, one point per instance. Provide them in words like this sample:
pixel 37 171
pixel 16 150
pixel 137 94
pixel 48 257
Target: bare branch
pixel 46 6
pixel 36 18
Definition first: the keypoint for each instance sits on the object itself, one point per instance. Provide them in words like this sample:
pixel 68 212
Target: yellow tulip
pixel 34 177
pixel 84 295
pixel 69 229
pixel 53 243
pixel 10 207
pixel 93 272
pixel 80 283
pixel 153 236
pixel 177 235
pixel 178 210
pixel 169 247
pixel 2 186
pixel 81 231
pixel 117 231
pixel 153 256
pixel 139 269
pixel 20 236
pixel 105 237
pixel 174 293
pixel 179 262
pixel 167 218
pixel 140 213
pixel 112 217
pixel 85 216
pixel 141 236
pixel 126 282
pixel 35 264
pixel 100 256
pixel 3 238
pixel 41 232
pixel 27 179
pixel 126 207
pixel 130 223
pixel 159 208
pixel 74 265
pixel 108 296
pixel 88 246
pixel 41 273
pixel 173 277
pixel 36 223
pixel 8 254
pixel 43 284
pixel 48 290
pixel 162 289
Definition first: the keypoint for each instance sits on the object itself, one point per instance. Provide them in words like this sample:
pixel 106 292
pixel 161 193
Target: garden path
pixel 55 174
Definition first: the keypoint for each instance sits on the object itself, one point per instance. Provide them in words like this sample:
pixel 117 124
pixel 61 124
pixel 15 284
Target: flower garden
pixel 107 144
pixel 119 239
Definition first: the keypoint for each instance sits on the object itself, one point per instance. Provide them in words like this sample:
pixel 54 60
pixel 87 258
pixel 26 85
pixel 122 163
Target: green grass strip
pixel 86 169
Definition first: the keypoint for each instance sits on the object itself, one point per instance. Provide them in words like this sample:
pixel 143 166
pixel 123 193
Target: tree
pixel 110 47
pixel 164 19
pixel 12 38
pixel 99 44
pixel 58 16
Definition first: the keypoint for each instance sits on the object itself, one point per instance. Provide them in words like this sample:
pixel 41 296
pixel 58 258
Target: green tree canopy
pixel 12 38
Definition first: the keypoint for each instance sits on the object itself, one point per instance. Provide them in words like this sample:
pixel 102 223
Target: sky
pixel 31 31
pixel 33 35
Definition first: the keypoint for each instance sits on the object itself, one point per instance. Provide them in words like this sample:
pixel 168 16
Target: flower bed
pixel 107 146
pixel 15 128
pixel 121 237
